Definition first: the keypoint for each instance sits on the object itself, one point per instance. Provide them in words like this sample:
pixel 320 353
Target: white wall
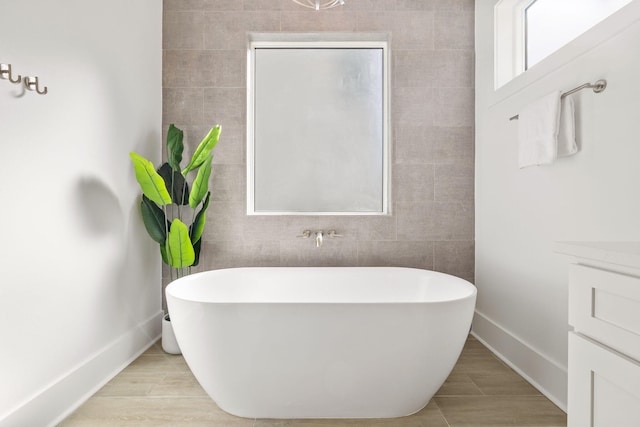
pixel 522 285
pixel 79 278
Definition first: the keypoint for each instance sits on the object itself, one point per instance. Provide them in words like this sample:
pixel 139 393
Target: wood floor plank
pixel 134 411
pixel 499 411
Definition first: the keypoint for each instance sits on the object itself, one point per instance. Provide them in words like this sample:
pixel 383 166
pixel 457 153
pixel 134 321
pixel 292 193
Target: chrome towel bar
pixel 597 87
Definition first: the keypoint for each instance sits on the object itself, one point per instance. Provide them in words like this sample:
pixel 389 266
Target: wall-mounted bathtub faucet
pixel 319 236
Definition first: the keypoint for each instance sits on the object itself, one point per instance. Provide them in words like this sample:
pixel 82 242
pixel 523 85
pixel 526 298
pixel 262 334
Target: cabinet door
pixel 604 386
pixel 606 306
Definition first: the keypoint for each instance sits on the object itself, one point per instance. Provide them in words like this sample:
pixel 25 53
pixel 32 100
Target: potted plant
pixel 174 212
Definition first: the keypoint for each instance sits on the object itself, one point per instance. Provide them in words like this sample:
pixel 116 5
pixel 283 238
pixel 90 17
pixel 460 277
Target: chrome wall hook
pixel 5 73
pixel 32 83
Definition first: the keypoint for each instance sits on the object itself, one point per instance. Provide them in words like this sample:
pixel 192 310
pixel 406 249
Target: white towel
pixel 567 131
pixel 538 131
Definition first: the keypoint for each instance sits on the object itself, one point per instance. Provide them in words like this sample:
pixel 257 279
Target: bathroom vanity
pixel 604 346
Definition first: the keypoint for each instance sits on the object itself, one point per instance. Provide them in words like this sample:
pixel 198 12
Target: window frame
pixel 509 40
pixel 365 40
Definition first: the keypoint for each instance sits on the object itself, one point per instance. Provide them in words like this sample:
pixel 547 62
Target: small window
pixel 550 24
pixel 527 31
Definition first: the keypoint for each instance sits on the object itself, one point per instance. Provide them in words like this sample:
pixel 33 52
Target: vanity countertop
pixel 621 253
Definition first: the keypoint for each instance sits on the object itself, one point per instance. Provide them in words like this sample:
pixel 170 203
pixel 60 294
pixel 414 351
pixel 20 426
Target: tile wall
pixel 432 50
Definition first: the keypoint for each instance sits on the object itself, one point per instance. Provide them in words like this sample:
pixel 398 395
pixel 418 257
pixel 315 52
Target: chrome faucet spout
pixel 318 239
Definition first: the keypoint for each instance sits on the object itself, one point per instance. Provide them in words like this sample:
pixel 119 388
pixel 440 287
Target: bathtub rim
pixel 469 287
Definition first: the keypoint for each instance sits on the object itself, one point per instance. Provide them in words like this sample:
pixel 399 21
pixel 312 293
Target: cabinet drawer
pixel 604 387
pixel 606 306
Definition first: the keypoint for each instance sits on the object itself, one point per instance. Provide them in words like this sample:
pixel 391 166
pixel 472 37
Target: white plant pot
pixel 169 342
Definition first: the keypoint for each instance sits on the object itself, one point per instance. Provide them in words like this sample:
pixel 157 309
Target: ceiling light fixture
pixel 318 4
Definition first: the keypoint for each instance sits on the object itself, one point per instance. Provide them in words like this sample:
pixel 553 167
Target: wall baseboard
pixel 543 373
pixel 58 400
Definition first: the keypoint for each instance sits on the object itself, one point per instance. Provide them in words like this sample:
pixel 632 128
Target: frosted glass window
pixel 550 24
pixel 317 131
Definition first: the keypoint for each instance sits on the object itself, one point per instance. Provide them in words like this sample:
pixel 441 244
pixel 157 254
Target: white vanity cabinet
pixel 604 346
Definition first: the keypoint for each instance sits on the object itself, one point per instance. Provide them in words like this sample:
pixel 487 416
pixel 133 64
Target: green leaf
pixel 154 220
pixel 179 247
pixel 174 147
pixel 150 181
pixel 163 253
pixel 201 183
pixel 203 150
pixel 179 187
pixel 196 249
pixel 196 229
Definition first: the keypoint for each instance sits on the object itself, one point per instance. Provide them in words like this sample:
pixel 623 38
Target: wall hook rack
pixel 5 73
pixel 32 83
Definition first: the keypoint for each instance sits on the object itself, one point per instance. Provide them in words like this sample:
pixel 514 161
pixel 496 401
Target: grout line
pixel 204 35
pixel 433 401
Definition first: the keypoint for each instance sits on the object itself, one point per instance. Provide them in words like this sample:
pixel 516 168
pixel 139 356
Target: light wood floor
pixel 159 390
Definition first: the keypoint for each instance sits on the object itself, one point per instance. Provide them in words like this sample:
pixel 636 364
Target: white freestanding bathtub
pixel 343 342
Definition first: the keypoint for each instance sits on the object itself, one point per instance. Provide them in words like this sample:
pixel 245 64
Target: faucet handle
pixel 305 234
pixel 332 233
